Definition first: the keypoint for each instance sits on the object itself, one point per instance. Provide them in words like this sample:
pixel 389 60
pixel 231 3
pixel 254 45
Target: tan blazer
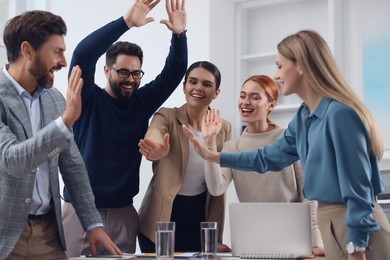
pixel 169 171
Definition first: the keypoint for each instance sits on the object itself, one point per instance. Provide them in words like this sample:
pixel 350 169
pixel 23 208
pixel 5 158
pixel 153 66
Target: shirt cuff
pixel 181 34
pixel 64 129
pixel 92 226
pixel 359 238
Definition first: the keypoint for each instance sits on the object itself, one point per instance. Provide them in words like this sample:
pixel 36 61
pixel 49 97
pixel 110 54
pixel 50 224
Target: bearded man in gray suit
pixel 36 139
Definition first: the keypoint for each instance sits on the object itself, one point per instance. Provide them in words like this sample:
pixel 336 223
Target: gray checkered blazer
pixel 20 155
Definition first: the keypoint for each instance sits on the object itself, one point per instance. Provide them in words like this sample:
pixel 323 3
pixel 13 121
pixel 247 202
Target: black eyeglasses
pixel 124 73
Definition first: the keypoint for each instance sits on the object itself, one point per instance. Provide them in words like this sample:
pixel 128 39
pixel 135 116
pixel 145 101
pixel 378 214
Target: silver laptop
pixel 270 230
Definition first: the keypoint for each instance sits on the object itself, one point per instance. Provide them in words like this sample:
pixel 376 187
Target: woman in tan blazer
pixel 178 190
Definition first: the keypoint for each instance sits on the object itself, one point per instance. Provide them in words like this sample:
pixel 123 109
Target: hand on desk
pixel 357 256
pixel 222 248
pixel 99 236
pixel 318 251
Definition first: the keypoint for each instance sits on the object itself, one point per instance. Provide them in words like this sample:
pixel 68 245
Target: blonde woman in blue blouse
pixel 258 98
pixel 338 143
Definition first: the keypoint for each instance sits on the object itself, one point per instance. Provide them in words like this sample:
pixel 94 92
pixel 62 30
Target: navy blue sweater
pixel 108 130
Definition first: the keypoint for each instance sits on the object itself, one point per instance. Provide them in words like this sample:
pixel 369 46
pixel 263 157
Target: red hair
pixel 270 87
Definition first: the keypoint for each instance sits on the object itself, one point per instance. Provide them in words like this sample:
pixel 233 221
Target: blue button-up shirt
pixel 334 148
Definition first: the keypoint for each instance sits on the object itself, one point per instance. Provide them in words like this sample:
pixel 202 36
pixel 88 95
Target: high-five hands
pixel 177 16
pixel 136 16
pixel 211 125
pixel 73 98
pixel 154 151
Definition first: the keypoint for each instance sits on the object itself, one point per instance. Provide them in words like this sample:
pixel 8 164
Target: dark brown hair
pixel 34 27
pixel 126 48
pixel 207 66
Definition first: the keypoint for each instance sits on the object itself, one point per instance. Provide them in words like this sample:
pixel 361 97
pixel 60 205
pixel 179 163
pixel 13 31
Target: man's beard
pixel 117 87
pixel 41 74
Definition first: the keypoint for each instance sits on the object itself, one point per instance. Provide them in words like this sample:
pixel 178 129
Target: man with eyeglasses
pixel 115 118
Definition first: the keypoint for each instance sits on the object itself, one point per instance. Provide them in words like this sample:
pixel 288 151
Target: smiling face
pixel 289 74
pixel 46 60
pixel 253 103
pixel 122 88
pixel 200 88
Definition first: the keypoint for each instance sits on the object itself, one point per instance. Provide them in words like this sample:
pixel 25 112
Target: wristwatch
pixel 352 248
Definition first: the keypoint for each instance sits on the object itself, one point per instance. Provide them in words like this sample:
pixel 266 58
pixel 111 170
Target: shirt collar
pixel 322 107
pixel 320 110
pixel 19 88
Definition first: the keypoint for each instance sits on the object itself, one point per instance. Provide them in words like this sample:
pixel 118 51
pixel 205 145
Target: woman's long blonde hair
pixel 309 50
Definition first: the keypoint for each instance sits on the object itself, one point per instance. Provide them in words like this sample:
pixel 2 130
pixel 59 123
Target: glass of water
pixel 165 240
pixel 208 235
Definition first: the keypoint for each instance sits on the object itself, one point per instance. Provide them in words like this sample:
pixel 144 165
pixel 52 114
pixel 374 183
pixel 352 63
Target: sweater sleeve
pixel 156 92
pixel 218 178
pixel 217 182
pixel 315 231
pixel 316 239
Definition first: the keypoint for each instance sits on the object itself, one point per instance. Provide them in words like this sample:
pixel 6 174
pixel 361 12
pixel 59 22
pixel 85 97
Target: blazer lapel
pixel 47 109
pixel 12 99
pixel 181 117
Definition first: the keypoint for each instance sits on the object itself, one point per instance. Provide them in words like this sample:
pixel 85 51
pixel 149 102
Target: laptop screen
pixel 264 229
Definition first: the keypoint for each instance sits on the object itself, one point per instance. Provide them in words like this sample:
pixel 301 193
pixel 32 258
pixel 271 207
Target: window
pixel 368 58
pixel 261 24
pixel 376 62
pixel 360 47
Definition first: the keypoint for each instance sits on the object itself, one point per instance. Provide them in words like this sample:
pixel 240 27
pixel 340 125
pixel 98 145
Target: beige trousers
pixel 334 232
pixel 39 240
pixel 120 224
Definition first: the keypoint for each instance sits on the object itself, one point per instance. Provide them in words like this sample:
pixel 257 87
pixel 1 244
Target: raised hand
pixel 211 125
pixel 177 16
pixel 153 151
pixel 136 15
pixel 73 98
pixel 203 150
